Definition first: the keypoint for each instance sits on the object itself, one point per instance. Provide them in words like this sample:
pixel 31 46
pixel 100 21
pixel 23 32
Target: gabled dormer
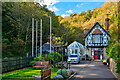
pixel 97 36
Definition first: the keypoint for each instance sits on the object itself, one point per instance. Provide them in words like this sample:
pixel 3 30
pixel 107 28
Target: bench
pixel 46 74
pixel 41 64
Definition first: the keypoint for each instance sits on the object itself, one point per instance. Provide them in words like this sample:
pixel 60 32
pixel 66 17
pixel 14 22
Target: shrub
pixel 70 70
pixel 90 59
pixel 53 56
pixel 58 77
pixel 63 72
pixel 83 58
pixel 118 65
pixel 36 59
pixel 46 58
pixel 32 63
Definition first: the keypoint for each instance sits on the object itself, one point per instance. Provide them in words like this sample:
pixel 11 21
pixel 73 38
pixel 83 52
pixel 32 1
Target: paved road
pixel 93 70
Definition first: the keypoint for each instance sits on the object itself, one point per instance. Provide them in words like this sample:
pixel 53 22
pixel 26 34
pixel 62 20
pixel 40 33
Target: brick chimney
pixel 107 24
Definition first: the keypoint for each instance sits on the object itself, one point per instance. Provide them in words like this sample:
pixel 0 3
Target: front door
pixel 96 55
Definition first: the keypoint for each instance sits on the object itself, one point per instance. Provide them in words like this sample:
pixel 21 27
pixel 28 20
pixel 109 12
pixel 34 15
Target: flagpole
pixel 36 36
pixel 50 36
pixel 32 37
pixel 41 41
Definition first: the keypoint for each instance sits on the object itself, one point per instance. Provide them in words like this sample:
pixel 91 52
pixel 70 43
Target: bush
pixel 63 72
pixel 32 63
pixel 118 65
pixel 83 58
pixel 70 70
pixel 58 77
pixel 46 58
pixel 53 56
pixel 90 59
pixel 36 59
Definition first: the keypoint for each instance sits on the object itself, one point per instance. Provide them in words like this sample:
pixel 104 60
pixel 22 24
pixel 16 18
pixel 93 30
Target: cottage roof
pixel 94 27
pixel 77 45
pixel 46 47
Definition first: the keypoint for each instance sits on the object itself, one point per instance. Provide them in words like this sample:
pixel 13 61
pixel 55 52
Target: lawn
pixel 26 73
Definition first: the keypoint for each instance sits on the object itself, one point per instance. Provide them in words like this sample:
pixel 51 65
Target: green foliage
pixel 63 72
pixel 57 40
pixel 72 15
pixel 46 58
pixel 95 14
pixel 36 59
pixel 88 15
pixel 22 73
pixel 26 73
pixel 32 63
pixel 55 56
pixel 90 59
pixel 58 77
pixel 83 58
pixel 118 65
pixel 69 72
pixel 82 13
pixel 16 18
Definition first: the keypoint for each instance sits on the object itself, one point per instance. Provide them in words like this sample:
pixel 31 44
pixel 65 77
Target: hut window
pixel 75 51
pixel 72 51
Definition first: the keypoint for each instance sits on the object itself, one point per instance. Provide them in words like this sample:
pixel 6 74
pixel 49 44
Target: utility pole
pixel 41 39
pixel 32 37
pixel 36 36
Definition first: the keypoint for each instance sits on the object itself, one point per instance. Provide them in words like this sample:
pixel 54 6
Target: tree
pixel 17 23
pixel 88 15
pixel 82 13
pixel 55 56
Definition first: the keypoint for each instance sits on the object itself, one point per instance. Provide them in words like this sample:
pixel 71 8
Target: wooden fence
pixel 15 63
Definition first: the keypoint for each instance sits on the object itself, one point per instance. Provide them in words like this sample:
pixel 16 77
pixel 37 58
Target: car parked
pixel 73 59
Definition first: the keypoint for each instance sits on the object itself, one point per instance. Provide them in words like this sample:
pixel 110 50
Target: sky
pixel 66 7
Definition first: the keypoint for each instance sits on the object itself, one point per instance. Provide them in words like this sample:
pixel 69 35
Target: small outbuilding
pixel 76 48
pixel 46 48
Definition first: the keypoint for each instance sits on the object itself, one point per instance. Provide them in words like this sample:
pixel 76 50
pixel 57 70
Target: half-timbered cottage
pixel 96 41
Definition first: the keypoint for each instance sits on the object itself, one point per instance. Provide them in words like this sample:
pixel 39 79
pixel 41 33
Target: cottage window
pixel 96 38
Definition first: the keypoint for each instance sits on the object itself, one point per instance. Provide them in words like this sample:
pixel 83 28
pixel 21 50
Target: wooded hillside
pixel 76 23
pixel 17 27
pixel 17 23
